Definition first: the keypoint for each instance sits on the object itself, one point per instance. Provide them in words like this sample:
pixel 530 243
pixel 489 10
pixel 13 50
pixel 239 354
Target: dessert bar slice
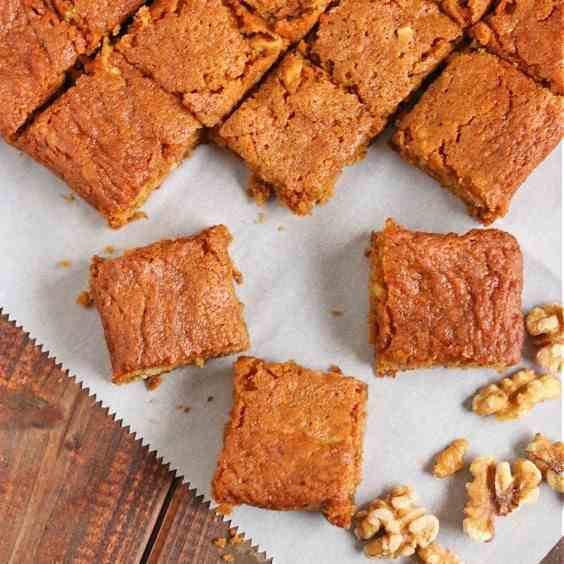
pixel 294 441
pixel 298 131
pixel 96 18
pixel 209 52
pixel 291 19
pixel 480 129
pixel 445 300
pixel 113 137
pixel 382 49
pixel 529 33
pixel 36 48
pixel 169 304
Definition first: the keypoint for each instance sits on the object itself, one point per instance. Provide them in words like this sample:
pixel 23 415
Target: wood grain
pixel 75 486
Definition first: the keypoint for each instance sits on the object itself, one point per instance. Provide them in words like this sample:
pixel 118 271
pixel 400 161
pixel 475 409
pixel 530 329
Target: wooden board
pixel 76 486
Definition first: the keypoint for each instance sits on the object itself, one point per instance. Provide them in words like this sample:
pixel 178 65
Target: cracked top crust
pixel 36 48
pixel 168 304
pixel 298 131
pixel 481 128
pixel 291 19
pixel 210 52
pixel 383 49
pixel 294 441
pixel 445 300
pixel 529 33
pixel 112 137
pixel 96 18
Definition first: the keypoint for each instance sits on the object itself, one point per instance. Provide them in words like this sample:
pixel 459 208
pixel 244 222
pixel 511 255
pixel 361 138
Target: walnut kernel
pixel 497 490
pixel 395 526
pixel 546 325
pixel 451 459
pixel 516 396
pixel 437 554
pixel 549 459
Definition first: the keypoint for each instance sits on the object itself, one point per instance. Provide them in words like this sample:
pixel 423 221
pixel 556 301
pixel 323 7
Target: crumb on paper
pixel 497 490
pixel 184 408
pixel 219 543
pixel 451 459
pixel 437 554
pixel 137 216
pixel 224 509
pixel 367 252
pixel 64 263
pixel 335 369
pixel 260 191
pixel 109 249
pixel 84 299
pixel 228 558
pixel 261 218
pixel 337 312
pixel 210 398
pixel 237 276
pixel 280 228
pixel 69 198
pixel 395 526
pixel 516 395
pixel 199 362
pixel 153 382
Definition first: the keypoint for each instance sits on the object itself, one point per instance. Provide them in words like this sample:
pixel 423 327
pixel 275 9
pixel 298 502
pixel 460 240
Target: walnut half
pixel 395 526
pixel 451 459
pixel 546 325
pixel 497 490
pixel 516 395
pixel 549 459
pixel 437 554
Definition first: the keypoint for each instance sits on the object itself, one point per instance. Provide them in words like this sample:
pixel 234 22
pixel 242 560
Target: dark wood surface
pixel 76 486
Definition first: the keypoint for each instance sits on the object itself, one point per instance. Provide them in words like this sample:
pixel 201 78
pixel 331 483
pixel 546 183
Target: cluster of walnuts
pixel 395 526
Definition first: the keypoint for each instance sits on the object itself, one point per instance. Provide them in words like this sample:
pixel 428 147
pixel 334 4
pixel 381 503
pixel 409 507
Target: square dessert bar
pixel 96 18
pixel 445 300
pixel 298 131
pixel 530 34
pixel 294 440
pixel 382 49
pixel 480 129
pixel 113 137
pixel 36 48
pixel 169 304
pixel 290 19
pixel 209 52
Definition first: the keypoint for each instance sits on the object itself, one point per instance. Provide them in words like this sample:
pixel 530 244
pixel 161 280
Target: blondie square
pixel 209 52
pixel 113 137
pixel 294 440
pixel 96 18
pixel 36 48
pixel 445 300
pixel 529 33
pixel 382 49
pixel 169 304
pixel 291 19
pixel 298 131
pixel 480 129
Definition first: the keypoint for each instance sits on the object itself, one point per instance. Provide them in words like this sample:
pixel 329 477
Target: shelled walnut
pixel 437 554
pixel 546 325
pixel 395 526
pixel 451 459
pixel 516 395
pixel 549 459
pixel 497 490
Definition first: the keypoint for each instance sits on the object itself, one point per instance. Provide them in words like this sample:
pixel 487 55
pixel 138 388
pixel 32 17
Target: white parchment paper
pixel 296 271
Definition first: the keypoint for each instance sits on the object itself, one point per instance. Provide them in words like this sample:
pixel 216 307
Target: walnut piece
pixel 546 325
pixel 437 554
pixel 549 459
pixel 497 491
pixel 451 459
pixel 395 526
pixel 516 396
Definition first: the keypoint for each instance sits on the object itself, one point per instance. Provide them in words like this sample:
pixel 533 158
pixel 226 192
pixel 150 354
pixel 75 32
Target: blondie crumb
pixel 64 263
pixel 84 299
pixel 153 382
